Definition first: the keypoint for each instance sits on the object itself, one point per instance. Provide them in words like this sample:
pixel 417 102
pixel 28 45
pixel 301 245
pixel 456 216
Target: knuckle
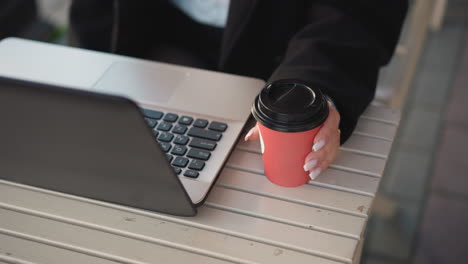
pixel 311 156
pixel 316 155
pixel 323 164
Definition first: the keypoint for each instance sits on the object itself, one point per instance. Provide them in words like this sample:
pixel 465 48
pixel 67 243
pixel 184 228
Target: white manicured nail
pixel 248 135
pixel 318 145
pixel 315 173
pixel 310 164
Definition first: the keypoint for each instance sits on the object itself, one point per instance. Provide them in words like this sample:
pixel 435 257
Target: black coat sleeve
pixel 340 49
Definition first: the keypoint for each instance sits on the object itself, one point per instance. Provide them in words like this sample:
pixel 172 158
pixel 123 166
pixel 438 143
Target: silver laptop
pixel 114 128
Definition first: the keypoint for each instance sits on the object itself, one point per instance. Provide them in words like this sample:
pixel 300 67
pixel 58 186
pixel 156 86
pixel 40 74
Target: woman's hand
pixel 325 146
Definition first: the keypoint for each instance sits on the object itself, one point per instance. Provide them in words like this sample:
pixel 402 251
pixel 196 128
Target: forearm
pixel 340 50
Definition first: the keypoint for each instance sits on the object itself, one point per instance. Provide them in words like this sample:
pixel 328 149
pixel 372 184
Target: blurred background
pixel 421 211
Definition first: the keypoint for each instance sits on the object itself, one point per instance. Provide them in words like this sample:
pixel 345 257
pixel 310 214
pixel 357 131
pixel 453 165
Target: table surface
pixel 245 219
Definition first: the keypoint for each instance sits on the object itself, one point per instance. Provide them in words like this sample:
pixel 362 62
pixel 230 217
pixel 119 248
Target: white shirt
pixel 209 12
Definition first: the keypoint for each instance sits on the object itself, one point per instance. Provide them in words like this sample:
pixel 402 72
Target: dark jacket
pixel 336 45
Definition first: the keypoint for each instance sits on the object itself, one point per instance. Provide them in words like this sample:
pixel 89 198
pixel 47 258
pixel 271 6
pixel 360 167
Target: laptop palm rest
pixel 142 82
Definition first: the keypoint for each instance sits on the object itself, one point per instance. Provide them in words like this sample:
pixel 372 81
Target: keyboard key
pixel 170 117
pixel 179 150
pixel 165 146
pixel 191 174
pixel 151 122
pixel 202 143
pixel 206 134
pixel 198 154
pixel 218 126
pixel 152 114
pixel 202 123
pixel 177 170
pixel 169 157
pixel 185 120
pixel 155 133
pixel 196 165
pixel 166 137
pixel 164 126
pixel 181 140
pixel 180 162
pixel 179 129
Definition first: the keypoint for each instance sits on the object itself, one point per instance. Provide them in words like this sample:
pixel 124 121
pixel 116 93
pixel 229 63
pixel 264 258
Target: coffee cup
pixel 289 114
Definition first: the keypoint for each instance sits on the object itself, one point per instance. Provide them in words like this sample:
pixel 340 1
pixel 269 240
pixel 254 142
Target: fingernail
pixel 248 135
pixel 315 173
pixel 310 164
pixel 318 145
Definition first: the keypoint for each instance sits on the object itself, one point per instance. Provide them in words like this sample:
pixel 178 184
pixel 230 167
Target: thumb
pixel 252 134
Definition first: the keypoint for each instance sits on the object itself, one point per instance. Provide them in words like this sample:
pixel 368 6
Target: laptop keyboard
pixel 187 141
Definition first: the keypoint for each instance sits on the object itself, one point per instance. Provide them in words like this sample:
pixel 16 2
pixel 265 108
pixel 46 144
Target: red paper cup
pixel 289 114
pixel 284 155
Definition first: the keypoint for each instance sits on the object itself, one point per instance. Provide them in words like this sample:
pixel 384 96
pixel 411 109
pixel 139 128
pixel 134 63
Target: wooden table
pixel 246 219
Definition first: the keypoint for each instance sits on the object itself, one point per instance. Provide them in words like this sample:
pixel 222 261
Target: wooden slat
pixel 368 144
pixel 347 181
pixel 25 250
pixel 382 113
pixel 292 237
pixel 288 212
pixel 376 129
pixel 193 232
pixel 96 242
pixel 310 195
pixel 357 162
pixel 13 260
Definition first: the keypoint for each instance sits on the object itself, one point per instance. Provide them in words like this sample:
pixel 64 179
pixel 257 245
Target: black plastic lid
pixel 290 105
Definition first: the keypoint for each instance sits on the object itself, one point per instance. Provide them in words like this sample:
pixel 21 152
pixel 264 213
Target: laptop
pixel 137 133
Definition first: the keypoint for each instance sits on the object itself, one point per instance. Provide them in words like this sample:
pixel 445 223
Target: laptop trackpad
pixel 141 82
